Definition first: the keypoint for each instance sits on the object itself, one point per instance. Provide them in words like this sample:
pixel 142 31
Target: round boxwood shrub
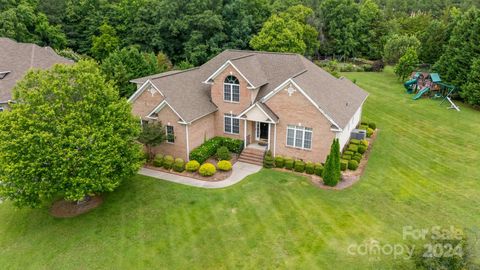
pixel 168 162
pixel 369 132
pixel 357 158
pixel 352 165
pixel 347 157
pixel 355 141
pixel 353 148
pixel 364 143
pixel 299 166
pixel 343 164
pixel 179 165
pixel 364 123
pixel 289 164
pixel 372 126
pixel 318 169
pixel 310 168
pixel 279 162
pixel 362 149
pixel 224 165
pixel 364 127
pixel 207 169
pixel 192 166
pixel 350 153
pixel 158 160
pixel 223 153
pixel 268 160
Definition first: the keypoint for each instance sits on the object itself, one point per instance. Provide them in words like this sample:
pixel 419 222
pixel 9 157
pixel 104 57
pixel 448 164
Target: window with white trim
pixel 231 124
pixel 170 134
pixel 231 89
pixel 299 137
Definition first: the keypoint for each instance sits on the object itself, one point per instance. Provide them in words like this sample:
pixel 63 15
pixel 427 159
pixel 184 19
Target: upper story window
pixel 231 89
pixel 299 137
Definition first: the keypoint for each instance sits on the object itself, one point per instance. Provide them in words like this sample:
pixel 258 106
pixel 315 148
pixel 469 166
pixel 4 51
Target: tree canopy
pixel 68 134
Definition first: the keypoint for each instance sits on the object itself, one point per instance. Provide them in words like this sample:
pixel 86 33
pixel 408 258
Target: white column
pixel 268 141
pixel 245 133
pixel 274 137
pixel 188 143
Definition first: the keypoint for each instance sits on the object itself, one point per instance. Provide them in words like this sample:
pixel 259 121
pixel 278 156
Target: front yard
pixel 422 171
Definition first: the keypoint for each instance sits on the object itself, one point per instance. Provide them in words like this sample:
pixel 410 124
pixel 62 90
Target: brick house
pixel 16 59
pixel 277 101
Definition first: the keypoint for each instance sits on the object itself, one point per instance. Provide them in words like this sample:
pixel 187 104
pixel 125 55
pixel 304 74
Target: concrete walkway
pixel 240 170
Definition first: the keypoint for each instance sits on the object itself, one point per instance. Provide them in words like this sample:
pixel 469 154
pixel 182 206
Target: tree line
pixel 136 38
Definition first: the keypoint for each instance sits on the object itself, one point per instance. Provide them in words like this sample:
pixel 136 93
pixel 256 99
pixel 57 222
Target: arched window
pixel 231 89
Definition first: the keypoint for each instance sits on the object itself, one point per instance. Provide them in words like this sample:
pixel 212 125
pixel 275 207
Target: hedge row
pixel 178 165
pixel 291 164
pixel 209 148
pixel 354 153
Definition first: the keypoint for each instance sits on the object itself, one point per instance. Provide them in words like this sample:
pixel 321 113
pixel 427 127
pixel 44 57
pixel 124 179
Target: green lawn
pixel 423 171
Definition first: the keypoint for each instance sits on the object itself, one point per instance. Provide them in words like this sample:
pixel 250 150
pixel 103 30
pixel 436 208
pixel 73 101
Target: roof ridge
pixel 241 57
pixel 299 73
pixel 263 52
pixel 171 73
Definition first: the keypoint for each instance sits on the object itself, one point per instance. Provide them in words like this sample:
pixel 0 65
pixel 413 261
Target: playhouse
pixel 424 84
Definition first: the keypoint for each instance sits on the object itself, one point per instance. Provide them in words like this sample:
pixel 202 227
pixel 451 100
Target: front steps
pixel 252 156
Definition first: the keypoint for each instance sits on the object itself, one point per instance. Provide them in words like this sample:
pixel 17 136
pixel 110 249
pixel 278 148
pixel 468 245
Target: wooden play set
pixel 423 84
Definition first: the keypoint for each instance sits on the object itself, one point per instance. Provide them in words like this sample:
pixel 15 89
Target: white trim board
pixel 142 88
pixel 222 68
pixel 290 80
pixel 160 107
pixel 258 106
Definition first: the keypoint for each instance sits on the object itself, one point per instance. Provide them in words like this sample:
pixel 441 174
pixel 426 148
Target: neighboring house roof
pixel 17 58
pixel 338 99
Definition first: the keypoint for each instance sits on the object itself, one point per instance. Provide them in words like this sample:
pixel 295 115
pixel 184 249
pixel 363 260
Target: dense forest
pixel 132 38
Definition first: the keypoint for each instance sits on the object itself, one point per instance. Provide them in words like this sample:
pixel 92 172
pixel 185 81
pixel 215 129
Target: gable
pixel 145 101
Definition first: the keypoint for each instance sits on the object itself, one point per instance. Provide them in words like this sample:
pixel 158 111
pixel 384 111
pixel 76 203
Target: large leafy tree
pixel 340 18
pixel 433 40
pixel 127 64
pixel 471 90
pixel 397 45
pixel 22 21
pixel 407 64
pixel 288 32
pixel 462 48
pixel 68 134
pixel 105 43
pixel 372 30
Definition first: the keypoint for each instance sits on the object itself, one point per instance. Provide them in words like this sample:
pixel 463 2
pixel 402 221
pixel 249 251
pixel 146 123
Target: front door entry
pixel 261 131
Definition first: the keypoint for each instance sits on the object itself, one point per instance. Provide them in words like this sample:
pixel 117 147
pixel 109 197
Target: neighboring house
pixel 16 59
pixel 281 99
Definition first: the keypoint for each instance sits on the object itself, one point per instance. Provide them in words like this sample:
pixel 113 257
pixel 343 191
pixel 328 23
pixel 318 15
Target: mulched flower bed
pixel 218 176
pixel 67 209
pixel 349 178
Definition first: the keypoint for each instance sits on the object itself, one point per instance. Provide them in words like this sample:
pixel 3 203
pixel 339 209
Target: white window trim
pixel 1 108
pixel 231 92
pixel 166 133
pixel 231 123
pixel 295 137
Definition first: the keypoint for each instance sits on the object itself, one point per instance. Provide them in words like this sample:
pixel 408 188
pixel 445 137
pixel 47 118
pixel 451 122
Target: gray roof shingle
pixel 190 97
pixel 18 58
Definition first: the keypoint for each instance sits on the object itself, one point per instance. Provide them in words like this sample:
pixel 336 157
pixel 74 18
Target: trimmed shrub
pixel 372 126
pixel 168 162
pixel 179 165
pixel 369 132
pixel 347 157
pixel 192 166
pixel 352 165
pixel 364 143
pixel 268 160
pixel 209 148
pixel 158 160
pixel 362 149
pixel 207 169
pixel 318 169
pixel 364 123
pixel 224 165
pixel 309 168
pixel 145 157
pixel 353 148
pixel 364 127
pixel 343 164
pixel 279 162
pixel 350 153
pixel 299 166
pixel 355 141
pixel 289 164
pixel 357 158
pixel 223 153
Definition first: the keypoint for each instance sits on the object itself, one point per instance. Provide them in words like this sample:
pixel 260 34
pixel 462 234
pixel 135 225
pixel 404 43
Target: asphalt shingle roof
pixel 190 97
pixel 18 58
